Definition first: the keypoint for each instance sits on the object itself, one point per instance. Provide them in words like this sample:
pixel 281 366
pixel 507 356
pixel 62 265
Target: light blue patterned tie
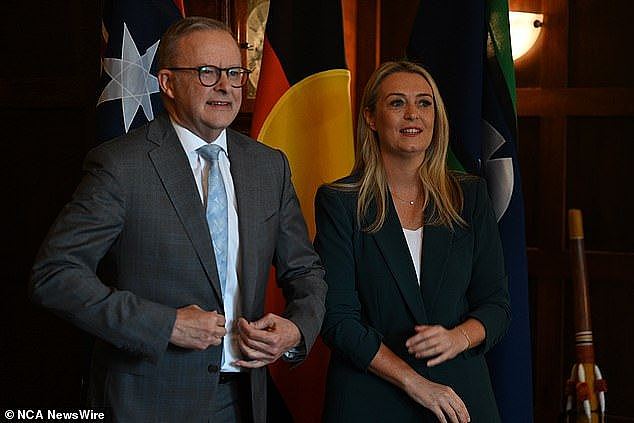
pixel 217 209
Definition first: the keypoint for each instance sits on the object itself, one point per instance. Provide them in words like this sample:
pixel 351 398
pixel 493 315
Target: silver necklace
pixel 410 202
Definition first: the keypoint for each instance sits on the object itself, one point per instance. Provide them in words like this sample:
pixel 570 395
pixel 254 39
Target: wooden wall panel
pixel 601 35
pixel 548 300
pixel 56 150
pixel 397 19
pixel 35 51
pixel 368 47
pixel 48 93
pixel 527 75
pixel 534 6
pixel 528 152
pixel 599 152
pixel 217 9
pixel 614 341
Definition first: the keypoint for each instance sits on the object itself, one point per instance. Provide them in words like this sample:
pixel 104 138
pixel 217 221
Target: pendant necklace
pixel 410 202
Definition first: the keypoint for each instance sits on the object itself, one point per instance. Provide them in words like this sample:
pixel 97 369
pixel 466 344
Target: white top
pixel 231 296
pixel 415 243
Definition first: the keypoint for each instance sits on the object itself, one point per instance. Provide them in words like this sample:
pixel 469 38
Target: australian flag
pixel 131 30
pixel 466 47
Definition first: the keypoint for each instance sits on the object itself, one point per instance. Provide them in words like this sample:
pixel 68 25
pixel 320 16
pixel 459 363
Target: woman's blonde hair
pixel 439 184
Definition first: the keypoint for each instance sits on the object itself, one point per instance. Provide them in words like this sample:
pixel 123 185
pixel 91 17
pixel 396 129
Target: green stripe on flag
pixel 498 19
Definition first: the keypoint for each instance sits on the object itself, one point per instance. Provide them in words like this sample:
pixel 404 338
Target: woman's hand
pixel 440 399
pixel 438 342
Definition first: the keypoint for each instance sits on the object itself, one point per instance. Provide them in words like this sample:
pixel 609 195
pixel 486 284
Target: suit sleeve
pixel 488 294
pixel 343 328
pixel 64 276
pixel 300 274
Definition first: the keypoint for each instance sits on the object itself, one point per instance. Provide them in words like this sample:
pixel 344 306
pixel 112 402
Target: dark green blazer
pixel 374 296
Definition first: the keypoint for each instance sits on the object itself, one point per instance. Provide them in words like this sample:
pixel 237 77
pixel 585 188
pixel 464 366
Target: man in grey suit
pixel 164 252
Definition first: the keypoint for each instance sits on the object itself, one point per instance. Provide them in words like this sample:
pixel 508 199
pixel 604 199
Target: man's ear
pixel 166 81
pixel 369 118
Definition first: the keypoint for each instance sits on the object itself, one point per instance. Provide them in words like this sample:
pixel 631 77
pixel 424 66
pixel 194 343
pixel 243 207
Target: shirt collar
pixel 191 141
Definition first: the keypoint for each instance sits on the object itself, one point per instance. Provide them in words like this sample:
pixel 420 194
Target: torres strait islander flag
pixel 466 47
pixel 131 30
pixel 302 107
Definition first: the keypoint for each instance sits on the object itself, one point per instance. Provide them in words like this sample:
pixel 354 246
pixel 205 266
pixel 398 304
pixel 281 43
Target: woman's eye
pixel 396 103
pixel 424 103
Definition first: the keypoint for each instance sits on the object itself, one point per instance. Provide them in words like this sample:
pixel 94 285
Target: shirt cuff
pixel 295 354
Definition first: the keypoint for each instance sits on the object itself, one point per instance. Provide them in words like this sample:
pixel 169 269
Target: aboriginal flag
pixel 302 107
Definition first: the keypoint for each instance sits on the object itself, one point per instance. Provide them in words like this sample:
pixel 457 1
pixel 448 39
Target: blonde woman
pixel 417 290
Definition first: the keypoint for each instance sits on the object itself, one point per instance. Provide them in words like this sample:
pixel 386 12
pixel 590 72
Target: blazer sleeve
pixel 488 294
pixel 300 274
pixel 343 328
pixel 64 276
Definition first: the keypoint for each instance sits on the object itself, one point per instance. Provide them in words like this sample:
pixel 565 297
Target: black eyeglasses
pixel 209 75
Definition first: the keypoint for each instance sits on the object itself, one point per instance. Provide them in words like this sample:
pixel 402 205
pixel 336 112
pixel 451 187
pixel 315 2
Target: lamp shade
pixel 525 29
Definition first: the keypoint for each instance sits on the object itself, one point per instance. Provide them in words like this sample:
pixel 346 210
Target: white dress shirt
pixel 231 296
pixel 414 240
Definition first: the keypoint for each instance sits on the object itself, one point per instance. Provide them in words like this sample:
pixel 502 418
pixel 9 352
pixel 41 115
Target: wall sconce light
pixel 525 29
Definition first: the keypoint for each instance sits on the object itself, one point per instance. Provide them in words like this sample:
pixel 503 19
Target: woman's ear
pixel 369 118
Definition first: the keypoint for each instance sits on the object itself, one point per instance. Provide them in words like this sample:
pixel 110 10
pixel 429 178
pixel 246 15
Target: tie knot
pixel 209 152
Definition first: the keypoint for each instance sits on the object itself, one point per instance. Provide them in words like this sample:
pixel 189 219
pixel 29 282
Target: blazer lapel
pixel 393 247
pixel 171 164
pixel 437 242
pixel 248 195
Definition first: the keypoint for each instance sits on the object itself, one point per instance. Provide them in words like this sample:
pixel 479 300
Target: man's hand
pixel 264 341
pixel 197 329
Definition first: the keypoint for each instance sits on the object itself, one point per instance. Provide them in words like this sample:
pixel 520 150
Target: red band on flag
pixel 272 75
pixel 181 6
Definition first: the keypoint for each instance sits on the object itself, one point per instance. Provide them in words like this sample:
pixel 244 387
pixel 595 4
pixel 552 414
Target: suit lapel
pixel 171 164
pixel 437 242
pixel 393 247
pixel 247 197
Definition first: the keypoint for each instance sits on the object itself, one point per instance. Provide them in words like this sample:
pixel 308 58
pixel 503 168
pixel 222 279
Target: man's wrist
pixel 297 353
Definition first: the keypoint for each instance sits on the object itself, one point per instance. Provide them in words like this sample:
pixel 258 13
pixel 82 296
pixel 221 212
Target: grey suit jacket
pixel 133 245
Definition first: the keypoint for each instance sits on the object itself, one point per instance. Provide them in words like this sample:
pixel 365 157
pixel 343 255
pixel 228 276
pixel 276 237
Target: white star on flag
pixel 131 81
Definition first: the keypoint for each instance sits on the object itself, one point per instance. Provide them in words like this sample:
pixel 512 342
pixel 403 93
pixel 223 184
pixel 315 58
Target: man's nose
pixel 223 83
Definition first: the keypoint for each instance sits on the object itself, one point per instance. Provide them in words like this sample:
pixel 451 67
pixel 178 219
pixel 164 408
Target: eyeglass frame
pixel 199 69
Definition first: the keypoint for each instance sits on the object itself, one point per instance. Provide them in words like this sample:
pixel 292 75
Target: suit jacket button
pixel 212 368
